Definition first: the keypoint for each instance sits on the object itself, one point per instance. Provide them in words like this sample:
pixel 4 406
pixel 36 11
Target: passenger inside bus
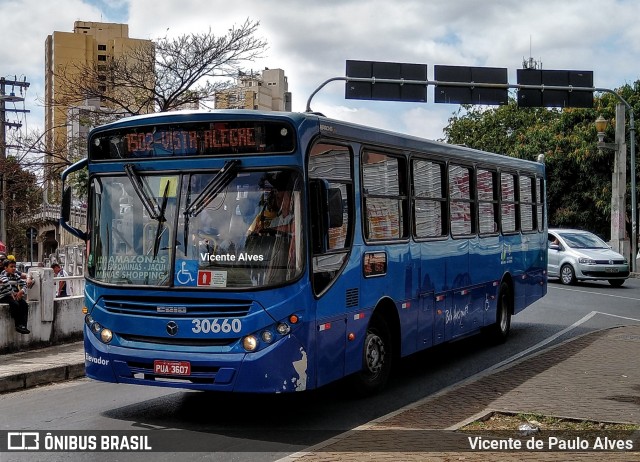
pixel 271 233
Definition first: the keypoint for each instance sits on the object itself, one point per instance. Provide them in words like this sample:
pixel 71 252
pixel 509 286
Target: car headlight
pixel 586 261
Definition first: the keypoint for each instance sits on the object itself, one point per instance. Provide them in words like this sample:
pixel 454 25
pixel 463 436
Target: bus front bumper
pixel 281 367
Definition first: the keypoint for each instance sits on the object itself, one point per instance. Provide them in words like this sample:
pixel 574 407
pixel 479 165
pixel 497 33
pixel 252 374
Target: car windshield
pixel 212 230
pixel 583 241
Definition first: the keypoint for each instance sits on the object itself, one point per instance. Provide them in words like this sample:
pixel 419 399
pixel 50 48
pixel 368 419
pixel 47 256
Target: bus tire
pixel 499 331
pixel 377 359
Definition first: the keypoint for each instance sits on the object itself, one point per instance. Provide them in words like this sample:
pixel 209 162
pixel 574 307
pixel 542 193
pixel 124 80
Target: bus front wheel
pixel 377 358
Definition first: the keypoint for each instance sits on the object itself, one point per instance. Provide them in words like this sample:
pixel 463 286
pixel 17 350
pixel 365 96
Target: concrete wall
pixel 51 320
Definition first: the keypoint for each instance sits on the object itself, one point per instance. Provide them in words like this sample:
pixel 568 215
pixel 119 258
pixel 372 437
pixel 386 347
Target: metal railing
pixel 51 212
pixel 75 285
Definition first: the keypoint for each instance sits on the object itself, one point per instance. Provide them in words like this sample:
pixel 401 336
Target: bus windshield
pixel 216 229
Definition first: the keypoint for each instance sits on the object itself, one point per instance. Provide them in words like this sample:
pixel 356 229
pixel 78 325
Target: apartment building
pixel 91 45
pixel 267 91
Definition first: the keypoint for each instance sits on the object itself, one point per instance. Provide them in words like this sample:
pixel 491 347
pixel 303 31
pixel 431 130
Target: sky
pixel 311 40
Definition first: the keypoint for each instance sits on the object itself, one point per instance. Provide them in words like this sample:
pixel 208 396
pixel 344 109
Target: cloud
pixel 311 40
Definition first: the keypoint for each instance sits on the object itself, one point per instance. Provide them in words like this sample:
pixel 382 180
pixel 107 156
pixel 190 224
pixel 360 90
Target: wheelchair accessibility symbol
pixel 186 273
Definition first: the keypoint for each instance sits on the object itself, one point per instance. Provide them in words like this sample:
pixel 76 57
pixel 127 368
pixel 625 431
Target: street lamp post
pixel 619 242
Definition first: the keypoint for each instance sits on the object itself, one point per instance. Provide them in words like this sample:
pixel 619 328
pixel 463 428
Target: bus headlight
pixel 96 327
pixel 250 343
pixel 106 335
pixel 283 328
pixel 267 336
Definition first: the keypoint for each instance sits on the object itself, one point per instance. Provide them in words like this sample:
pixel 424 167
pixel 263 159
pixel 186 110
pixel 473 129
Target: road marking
pixel 596 293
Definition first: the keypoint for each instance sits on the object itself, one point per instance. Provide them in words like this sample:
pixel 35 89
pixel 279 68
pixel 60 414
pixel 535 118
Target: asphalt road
pixel 259 427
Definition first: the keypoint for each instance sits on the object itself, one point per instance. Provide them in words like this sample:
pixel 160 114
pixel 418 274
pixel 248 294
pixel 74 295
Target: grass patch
pixel 504 421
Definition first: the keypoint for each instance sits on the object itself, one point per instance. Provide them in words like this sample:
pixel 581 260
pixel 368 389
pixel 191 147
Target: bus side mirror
pixel 65 208
pixel 334 204
pixel 326 204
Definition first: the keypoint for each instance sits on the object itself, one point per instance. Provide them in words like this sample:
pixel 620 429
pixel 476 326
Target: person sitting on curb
pixel 13 292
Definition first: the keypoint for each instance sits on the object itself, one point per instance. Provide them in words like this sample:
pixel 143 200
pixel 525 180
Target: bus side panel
pixel 426 319
pixel 537 258
pixel 437 272
pixel 399 285
pixel 442 307
pixel 485 266
pixel 491 302
pixel 330 351
pixel 459 279
pixel 406 296
pixel 332 311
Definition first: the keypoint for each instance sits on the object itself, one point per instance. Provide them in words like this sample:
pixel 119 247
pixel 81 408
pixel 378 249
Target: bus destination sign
pixel 193 140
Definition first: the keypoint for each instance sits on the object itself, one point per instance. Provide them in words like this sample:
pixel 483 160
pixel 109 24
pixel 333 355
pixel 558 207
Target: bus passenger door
pixel 335 273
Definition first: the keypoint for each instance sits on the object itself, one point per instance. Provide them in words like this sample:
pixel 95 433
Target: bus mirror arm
pixel 65 208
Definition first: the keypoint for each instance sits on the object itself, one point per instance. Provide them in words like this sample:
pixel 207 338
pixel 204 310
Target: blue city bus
pixel 275 252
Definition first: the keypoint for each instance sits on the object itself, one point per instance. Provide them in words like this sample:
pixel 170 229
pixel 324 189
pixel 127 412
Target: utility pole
pixel 4 98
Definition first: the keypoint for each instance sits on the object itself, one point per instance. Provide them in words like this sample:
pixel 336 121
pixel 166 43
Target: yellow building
pixel 265 92
pixel 91 46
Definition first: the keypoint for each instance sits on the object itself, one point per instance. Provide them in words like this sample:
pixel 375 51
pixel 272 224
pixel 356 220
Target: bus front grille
pixel 176 307
pixel 197 342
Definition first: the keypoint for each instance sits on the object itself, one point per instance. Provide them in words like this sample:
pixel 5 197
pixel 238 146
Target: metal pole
pixel 3 156
pixel 634 205
pixel 619 184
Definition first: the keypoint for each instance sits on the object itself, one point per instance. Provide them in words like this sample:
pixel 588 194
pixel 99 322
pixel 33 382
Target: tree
pixel 24 197
pixel 578 174
pixel 168 74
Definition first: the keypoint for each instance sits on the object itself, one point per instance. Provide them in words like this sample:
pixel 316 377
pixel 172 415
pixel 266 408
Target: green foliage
pixel 24 197
pixel 578 174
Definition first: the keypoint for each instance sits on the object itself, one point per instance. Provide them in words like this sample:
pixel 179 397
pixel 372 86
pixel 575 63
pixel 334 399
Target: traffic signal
pixel 555 98
pixel 396 91
pixel 469 94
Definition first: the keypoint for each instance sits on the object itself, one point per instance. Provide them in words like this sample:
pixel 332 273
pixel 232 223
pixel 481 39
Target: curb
pixel 24 380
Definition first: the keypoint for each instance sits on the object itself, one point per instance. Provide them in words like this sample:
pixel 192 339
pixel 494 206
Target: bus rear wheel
pixel 499 331
pixel 377 359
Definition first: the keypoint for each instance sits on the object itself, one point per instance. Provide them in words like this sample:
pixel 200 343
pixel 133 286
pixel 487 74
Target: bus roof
pixel 332 128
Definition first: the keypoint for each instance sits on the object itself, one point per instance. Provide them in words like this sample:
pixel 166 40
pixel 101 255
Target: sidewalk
pixel 30 368
pixel 593 377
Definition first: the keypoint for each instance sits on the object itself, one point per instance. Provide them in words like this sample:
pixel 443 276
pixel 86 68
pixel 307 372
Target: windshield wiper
pixel 161 221
pixel 142 190
pixel 213 188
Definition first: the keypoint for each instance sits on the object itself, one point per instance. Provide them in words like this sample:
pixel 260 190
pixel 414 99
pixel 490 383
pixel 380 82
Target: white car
pixel 576 255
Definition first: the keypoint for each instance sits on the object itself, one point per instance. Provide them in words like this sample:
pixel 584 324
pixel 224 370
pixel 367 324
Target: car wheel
pixel 567 275
pixel 377 356
pixel 616 282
